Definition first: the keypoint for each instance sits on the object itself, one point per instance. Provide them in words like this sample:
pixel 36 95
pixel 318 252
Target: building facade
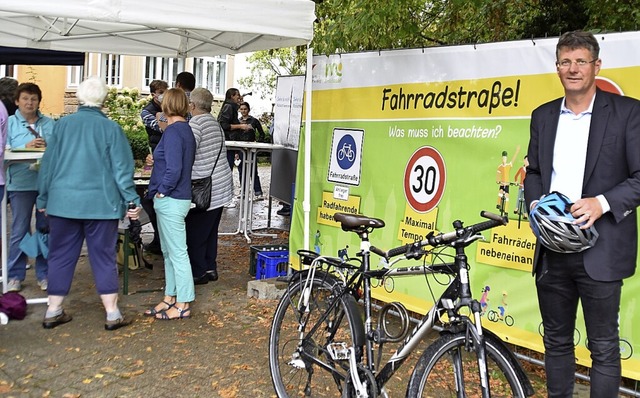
pixel 59 83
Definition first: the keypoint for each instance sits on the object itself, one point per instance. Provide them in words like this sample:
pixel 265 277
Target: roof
pixel 165 28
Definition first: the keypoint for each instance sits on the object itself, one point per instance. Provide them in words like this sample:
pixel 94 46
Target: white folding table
pixel 10 157
pixel 245 210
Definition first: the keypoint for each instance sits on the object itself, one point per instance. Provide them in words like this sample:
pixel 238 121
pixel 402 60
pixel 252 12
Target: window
pixel 221 78
pixel 111 69
pixel 158 68
pixel 177 66
pixel 7 71
pixel 211 72
pixel 74 75
pixel 198 65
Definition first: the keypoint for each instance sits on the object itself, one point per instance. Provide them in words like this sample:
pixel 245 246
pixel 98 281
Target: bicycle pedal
pixel 296 362
pixel 339 351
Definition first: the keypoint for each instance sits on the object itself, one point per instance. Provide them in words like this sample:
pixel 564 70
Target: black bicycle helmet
pixel 553 225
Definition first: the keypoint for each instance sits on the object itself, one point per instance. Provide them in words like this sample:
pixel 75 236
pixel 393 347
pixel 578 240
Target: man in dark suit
pixel 585 145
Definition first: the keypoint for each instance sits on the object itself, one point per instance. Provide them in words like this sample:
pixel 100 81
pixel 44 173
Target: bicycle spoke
pixel 300 363
pixel 447 369
pixel 318 341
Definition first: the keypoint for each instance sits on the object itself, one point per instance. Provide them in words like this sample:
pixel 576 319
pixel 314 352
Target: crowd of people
pixel 581 144
pixel 88 153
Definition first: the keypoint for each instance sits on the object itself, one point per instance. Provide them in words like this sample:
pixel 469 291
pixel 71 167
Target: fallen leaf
pixel 229 392
pixel 173 374
pixel 128 375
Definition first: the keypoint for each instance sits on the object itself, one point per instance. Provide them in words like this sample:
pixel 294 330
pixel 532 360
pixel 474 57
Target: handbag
pixel 201 194
pixel 14 305
pixel 201 190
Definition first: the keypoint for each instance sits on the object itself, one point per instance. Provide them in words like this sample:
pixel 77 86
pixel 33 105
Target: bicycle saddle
pixel 356 222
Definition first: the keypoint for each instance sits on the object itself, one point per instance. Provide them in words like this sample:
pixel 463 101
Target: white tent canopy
pixel 163 28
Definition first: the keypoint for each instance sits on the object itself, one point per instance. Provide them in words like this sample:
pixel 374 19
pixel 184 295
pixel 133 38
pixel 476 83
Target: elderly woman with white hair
pixel 85 184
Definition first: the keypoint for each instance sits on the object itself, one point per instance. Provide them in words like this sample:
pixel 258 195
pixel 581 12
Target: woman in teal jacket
pixel 85 185
pixel 28 129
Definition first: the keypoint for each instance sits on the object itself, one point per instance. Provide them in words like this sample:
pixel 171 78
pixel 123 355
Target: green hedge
pixel 124 107
pixel 139 144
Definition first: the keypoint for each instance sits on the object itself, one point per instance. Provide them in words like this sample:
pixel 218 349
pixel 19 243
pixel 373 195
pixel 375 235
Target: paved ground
pixel 211 355
pixel 220 352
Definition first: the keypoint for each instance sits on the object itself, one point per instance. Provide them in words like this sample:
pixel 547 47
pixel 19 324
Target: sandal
pixel 183 313
pixel 153 311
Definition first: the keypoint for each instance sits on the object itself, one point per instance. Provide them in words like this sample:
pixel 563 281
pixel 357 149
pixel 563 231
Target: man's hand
pixel 587 211
pixel 134 213
pixel 36 143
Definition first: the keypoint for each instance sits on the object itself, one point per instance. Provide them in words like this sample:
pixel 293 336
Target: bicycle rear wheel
pixel 434 374
pixel 299 360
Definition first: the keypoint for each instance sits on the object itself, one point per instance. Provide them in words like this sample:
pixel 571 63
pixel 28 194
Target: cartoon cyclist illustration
pixel 343 253
pixel 484 299
pixel 317 244
pixel 503 178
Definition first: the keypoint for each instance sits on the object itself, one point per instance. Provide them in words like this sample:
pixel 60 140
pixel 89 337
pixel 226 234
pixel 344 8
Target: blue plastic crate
pixel 271 264
pixel 253 254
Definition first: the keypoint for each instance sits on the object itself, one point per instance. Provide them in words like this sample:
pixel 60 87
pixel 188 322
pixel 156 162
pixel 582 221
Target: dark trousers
pixel 559 289
pixel 65 242
pixel 202 240
pixel 257 187
pixel 147 205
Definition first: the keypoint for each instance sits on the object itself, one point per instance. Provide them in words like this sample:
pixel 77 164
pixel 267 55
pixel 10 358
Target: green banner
pixel 420 139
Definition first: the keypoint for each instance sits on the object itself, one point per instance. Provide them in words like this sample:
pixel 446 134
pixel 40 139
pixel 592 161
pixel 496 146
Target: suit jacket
pixel 612 169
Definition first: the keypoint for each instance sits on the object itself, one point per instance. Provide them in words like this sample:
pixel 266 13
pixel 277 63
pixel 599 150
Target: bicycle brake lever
pixel 415 255
pixel 475 237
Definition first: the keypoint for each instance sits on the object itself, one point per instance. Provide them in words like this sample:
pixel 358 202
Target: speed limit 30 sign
pixel 424 179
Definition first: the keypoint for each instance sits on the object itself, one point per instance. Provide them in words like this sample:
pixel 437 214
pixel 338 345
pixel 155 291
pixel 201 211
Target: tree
pixel 355 25
pixel 360 25
pixel 267 65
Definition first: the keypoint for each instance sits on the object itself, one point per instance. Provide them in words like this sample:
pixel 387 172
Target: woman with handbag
pixel 170 188
pixel 210 167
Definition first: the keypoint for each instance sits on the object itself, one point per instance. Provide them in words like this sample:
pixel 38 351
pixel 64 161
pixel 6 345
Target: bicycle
pixel 521 209
pixel 520 203
pixel 321 343
pixel 347 152
pixel 494 316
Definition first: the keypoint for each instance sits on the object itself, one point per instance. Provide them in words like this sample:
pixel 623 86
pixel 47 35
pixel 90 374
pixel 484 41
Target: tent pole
pixel 306 207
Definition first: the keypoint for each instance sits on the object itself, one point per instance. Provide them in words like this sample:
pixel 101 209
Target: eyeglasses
pixel 566 63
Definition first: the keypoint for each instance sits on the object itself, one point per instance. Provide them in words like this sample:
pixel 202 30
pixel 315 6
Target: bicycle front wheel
pixel 448 360
pixel 299 360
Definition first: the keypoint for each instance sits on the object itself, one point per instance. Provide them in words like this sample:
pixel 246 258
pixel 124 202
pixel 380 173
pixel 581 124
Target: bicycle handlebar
pixel 412 250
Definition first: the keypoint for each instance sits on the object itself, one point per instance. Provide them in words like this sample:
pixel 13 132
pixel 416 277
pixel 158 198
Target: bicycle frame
pixel 456 295
pixel 332 336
